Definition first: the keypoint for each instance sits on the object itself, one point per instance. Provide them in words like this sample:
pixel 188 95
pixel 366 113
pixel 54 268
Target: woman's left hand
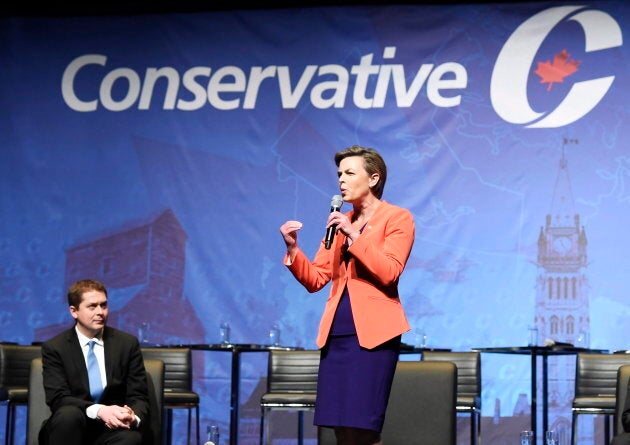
pixel 344 225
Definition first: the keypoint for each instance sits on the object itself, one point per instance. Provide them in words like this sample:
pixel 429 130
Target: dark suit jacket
pixel 66 378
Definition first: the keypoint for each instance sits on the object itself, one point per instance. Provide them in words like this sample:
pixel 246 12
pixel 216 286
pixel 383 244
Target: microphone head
pixel 337 201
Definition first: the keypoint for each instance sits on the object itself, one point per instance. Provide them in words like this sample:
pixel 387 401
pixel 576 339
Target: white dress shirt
pixel 99 351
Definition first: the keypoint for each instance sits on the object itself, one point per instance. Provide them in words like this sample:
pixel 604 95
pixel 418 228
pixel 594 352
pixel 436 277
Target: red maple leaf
pixel 556 72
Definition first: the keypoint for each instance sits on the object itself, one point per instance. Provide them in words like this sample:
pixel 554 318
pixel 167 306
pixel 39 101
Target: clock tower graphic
pixel 562 303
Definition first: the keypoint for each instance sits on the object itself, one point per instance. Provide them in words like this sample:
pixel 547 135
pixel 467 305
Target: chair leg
pixel 262 426
pixel 4 403
pixel 7 434
pixel 574 429
pixel 197 425
pixel 473 429
pixel 606 429
pixel 168 431
pixel 188 426
pixel 300 427
pixel 10 427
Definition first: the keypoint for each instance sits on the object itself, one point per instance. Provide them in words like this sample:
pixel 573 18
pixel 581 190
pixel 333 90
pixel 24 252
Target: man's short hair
pixel 76 291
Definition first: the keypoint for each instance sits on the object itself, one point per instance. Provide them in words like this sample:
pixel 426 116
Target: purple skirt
pixel 354 383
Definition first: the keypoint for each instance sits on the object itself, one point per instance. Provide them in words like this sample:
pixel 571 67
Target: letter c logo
pixel 508 85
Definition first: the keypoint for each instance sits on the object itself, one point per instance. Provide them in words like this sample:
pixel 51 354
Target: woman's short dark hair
pixel 372 162
pixel 76 291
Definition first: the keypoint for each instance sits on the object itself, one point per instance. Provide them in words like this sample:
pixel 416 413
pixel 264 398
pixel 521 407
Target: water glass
pixel 582 340
pixel 274 335
pixel 533 336
pixel 143 332
pixel 224 333
pixel 213 435
pixel 551 438
pixel 421 339
pixel 527 438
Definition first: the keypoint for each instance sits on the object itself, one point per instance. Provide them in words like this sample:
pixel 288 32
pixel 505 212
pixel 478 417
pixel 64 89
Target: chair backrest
pixel 596 375
pixel 177 366
pixel 38 410
pixel 622 401
pixel 468 373
pixel 155 380
pixel 15 364
pixel 421 405
pixel 293 371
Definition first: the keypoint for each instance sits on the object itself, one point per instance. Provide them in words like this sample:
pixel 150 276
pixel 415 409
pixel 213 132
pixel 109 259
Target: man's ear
pixel 73 312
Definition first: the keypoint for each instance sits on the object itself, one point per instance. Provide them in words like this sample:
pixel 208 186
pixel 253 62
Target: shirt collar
pixel 83 340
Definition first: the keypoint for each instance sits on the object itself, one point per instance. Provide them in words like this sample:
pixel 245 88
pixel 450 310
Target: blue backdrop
pixel 161 153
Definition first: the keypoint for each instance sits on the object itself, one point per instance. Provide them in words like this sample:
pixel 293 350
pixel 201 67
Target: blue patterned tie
pixel 94 373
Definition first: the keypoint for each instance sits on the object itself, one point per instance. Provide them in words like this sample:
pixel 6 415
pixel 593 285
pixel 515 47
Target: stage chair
pixel 155 380
pixel 422 404
pixel 291 386
pixel 421 407
pixel 178 381
pixel 622 398
pixel 15 363
pixel 595 387
pixel 38 410
pixel 468 385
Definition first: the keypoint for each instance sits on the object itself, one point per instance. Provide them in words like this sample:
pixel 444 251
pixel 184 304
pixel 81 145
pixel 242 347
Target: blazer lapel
pixel 77 359
pixel 109 339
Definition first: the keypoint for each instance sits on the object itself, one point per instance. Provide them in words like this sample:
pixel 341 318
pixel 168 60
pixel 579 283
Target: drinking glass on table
pixel 527 438
pixel 274 335
pixel 224 333
pixel 551 438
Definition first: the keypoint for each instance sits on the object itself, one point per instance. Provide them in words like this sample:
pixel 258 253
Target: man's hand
pixel 114 416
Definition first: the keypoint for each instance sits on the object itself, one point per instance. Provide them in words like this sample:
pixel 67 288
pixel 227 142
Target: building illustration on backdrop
pixel 143 268
pixel 562 299
pixel 561 314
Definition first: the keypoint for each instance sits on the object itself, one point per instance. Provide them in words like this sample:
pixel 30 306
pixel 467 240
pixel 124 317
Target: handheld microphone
pixel 335 206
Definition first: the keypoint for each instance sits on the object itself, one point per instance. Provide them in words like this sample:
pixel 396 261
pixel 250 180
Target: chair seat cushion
pixel 468 401
pixel 601 402
pixel 18 395
pixel 176 397
pixel 284 398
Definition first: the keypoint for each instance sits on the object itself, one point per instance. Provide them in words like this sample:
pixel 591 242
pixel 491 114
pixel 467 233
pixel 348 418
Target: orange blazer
pixel 377 259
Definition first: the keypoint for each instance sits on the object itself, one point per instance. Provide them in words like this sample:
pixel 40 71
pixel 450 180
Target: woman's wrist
pixel 292 252
pixel 353 237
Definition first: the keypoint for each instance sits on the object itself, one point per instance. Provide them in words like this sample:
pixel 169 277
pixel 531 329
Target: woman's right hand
pixel 289 233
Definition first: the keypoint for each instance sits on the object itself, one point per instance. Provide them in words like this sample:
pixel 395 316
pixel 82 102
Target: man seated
pixel 94 378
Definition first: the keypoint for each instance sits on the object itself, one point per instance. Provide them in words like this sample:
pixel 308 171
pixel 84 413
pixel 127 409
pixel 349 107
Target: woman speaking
pixel 363 320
